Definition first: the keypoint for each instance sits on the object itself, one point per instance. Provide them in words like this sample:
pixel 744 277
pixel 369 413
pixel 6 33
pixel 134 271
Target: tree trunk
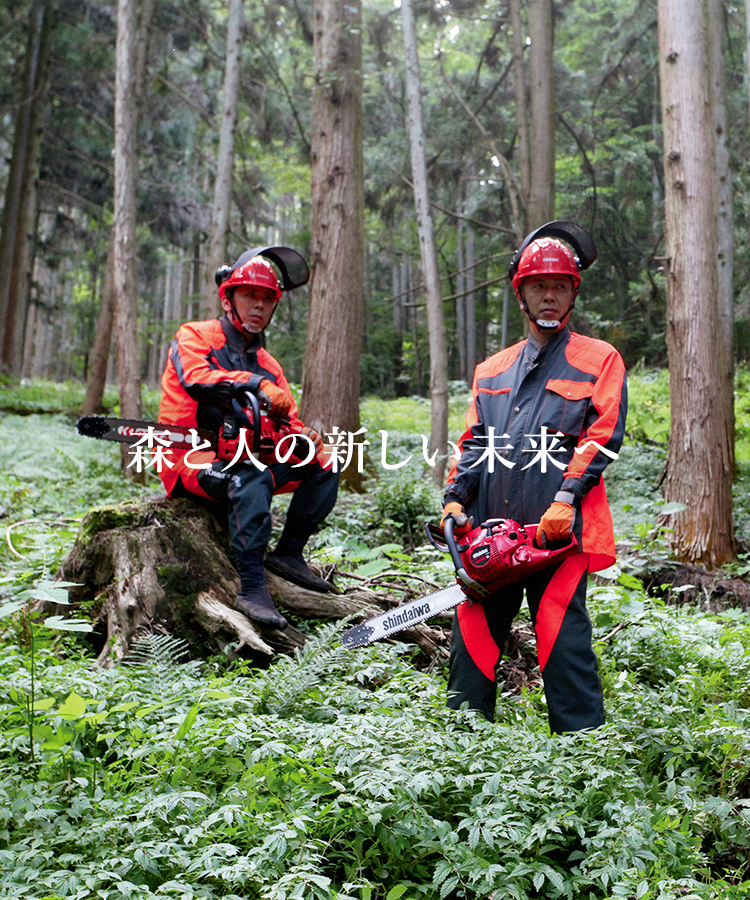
pixel 460 341
pixel 96 381
pixel 471 305
pixel 700 460
pixel 435 314
pixel 541 206
pixel 715 21
pixel 19 212
pixel 162 566
pixel 331 374
pixel 217 251
pixel 126 164
pixel 522 124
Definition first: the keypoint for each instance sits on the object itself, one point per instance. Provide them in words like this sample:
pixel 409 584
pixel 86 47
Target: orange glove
pixel 557 523
pixel 314 437
pixel 461 522
pixel 277 402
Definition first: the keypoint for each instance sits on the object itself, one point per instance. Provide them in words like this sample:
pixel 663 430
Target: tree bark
pixel 217 250
pixel 522 124
pixel 331 374
pixel 96 381
pixel 715 21
pixel 126 164
pixel 17 241
pixel 435 313
pixel 701 455
pixel 163 566
pixel 541 206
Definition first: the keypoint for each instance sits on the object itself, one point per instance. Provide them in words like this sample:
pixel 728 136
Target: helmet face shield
pixel 543 253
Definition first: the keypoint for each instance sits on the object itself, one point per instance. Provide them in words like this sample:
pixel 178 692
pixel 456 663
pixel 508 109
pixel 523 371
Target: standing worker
pixel 547 416
pixel 212 366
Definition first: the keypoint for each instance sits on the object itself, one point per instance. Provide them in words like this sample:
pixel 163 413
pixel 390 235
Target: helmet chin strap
pixel 550 325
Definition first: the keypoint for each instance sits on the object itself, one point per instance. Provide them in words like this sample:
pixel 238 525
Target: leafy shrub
pixel 405 506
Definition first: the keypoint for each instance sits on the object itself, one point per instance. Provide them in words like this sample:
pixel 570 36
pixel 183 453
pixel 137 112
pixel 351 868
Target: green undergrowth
pixel 340 774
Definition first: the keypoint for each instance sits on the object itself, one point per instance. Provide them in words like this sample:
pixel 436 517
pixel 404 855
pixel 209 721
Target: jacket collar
pixel 237 342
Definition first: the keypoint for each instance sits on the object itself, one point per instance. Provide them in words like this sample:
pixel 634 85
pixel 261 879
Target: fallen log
pixel 163 566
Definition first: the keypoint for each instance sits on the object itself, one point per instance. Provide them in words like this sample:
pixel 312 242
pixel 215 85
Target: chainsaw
pixel 497 553
pixel 263 433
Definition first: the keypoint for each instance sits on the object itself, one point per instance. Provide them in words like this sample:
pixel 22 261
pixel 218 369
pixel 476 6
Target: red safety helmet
pixel 256 272
pixel 547 256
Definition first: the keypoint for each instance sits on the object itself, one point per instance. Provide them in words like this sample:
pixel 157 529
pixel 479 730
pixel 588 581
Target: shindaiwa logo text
pixel 408 615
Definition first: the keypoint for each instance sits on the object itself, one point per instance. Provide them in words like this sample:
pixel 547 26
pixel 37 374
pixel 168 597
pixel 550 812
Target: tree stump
pixel 163 566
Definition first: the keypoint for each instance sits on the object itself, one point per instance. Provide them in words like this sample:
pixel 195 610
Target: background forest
pixel 608 173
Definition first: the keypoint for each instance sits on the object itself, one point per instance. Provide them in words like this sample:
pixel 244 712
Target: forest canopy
pixel 608 172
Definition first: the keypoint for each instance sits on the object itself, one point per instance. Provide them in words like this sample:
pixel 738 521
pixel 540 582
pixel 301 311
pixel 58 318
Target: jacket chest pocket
pixel 493 404
pixel 566 405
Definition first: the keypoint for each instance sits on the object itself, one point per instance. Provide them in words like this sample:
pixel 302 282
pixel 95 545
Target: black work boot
pixel 287 561
pixel 293 567
pixel 254 599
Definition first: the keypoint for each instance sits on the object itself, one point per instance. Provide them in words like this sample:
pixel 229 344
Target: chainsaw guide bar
pixel 497 553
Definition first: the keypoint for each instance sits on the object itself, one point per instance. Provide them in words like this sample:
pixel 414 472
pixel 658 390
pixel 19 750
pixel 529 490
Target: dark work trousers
pixel 248 492
pixel 557 603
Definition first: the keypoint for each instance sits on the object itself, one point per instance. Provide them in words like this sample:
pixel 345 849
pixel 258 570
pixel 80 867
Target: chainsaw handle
pixel 254 404
pixel 461 573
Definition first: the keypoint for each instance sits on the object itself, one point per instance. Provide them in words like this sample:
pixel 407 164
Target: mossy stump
pixel 163 565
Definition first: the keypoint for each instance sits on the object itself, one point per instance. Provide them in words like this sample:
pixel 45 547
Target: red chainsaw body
pixel 292 448
pixel 500 552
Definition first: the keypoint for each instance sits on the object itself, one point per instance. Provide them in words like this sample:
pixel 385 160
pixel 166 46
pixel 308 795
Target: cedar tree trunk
pixel 331 375
pixel 701 454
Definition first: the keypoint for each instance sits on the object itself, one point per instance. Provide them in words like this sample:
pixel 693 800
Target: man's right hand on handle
pixel 462 524
pixel 277 402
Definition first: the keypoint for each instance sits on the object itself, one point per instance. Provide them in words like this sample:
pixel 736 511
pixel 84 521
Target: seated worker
pixel 211 367
pixel 560 395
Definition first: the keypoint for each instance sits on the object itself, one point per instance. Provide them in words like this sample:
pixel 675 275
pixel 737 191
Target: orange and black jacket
pixel 558 413
pixel 206 363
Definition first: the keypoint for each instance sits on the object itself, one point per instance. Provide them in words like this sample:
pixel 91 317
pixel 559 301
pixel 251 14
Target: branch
pixel 510 179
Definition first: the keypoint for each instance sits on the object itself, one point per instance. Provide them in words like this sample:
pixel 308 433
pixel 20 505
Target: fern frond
pixel 156 651
pixel 293 677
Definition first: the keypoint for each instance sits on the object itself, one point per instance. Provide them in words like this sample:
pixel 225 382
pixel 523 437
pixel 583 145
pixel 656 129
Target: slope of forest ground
pixel 340 774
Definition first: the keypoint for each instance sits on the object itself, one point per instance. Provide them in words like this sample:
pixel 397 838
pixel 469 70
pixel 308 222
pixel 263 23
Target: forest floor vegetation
pixel 340 774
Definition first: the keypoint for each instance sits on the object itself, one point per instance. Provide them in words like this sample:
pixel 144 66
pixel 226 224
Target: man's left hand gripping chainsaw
pixel 497 553
pixel 263 435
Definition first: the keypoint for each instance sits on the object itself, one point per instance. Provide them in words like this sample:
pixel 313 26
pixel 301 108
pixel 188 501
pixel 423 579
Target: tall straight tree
pixel 126 167
pixel 701 455
pixel 522 124
pixel 225 161
pixel 435 313
pixel 715 22
pixel 99 359
pixel 17 233
pixel 541 202
pixel 331 375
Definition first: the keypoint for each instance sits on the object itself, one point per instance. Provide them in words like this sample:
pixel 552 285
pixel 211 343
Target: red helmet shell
pixel 547 256
pixel 256 272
